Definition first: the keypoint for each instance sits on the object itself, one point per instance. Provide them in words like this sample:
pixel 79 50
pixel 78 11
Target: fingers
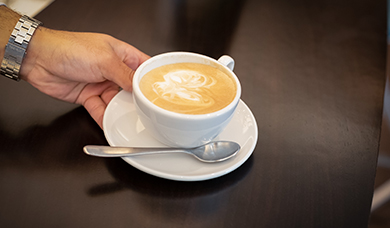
pixel 131 56
pixel 122 69
pixel 118 72
pixel 96 107
pixel 95 98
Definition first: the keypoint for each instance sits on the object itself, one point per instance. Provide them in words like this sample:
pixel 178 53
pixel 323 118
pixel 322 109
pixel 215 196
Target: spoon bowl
pixel 211 152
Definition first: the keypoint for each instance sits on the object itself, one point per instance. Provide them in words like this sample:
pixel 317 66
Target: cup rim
pixel 137 91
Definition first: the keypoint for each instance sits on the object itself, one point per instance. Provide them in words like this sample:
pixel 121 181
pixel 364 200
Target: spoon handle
pixel 108 151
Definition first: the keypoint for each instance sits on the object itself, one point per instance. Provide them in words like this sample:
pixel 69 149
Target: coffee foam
pixel 188 88
pixel 184 87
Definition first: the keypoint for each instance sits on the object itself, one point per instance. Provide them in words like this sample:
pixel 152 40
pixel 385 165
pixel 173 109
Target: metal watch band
pixel 15 49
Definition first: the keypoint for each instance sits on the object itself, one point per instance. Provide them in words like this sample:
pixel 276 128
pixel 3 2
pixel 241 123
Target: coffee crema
pixel 188 88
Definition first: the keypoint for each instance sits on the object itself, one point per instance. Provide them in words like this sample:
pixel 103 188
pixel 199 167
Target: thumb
pixel 123 66
pixel 118 72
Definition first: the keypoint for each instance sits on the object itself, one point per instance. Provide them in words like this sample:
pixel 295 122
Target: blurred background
pixel 28 7
pixel 380 212
pixel 380 216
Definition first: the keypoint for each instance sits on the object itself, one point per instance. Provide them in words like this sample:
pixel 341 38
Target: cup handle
pixel 227 61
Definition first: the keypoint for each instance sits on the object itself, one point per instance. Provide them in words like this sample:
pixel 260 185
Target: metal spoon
pixel 211 152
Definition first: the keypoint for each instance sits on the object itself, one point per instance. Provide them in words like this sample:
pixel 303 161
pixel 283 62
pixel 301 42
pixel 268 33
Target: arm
pixel 8 19
pixel 83 68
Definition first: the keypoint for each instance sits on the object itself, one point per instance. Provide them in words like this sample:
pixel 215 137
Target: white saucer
pixel 122 128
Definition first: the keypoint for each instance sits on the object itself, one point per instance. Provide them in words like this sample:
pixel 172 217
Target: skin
pixel 81 68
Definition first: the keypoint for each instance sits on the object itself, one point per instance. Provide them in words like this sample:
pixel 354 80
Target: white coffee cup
pixel 177 129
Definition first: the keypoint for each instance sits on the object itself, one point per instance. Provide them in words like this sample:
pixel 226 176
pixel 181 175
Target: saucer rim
pixel 178 177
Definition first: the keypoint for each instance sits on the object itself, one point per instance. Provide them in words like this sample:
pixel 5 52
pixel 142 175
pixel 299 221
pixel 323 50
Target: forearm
pixel 84 68
pixel 8 20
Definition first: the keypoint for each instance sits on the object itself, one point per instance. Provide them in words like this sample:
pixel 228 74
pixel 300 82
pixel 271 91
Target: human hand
pixel 82 68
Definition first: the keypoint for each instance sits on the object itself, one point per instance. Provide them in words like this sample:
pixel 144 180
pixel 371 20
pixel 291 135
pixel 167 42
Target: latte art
pixel 185 87
pixel 189 88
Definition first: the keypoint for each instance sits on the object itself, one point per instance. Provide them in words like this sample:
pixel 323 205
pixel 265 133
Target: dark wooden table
pixel 312 72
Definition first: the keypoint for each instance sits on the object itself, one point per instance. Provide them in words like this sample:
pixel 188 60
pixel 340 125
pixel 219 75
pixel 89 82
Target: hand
pixel 83 68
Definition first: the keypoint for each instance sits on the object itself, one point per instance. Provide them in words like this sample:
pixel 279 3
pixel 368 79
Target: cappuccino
pixel 188 88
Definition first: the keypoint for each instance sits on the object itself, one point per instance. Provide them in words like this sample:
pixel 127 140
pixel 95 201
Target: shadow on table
pixel 57 145
pixel 128 177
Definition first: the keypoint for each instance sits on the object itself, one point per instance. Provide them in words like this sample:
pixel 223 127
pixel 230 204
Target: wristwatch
pixel 15 50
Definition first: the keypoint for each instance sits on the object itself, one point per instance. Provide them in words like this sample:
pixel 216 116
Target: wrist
pixel 39 53
pixel 15 49
pixel 8 20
